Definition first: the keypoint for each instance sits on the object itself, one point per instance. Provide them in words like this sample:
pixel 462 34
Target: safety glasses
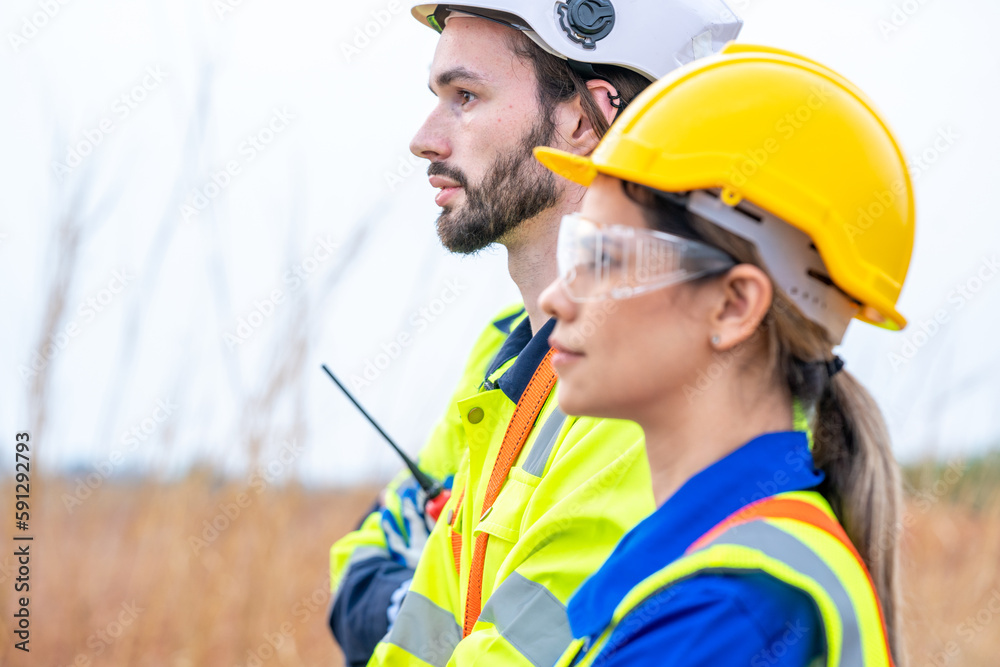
pixel 618 262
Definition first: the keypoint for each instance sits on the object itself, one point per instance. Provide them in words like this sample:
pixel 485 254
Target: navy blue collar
pixel 504 324
pixel 767 465
pixel 529 350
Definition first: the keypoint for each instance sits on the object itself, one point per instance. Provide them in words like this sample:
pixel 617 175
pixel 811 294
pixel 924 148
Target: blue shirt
pixel 751 620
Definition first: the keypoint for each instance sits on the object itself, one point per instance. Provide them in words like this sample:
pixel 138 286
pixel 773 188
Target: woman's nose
pixel 555 302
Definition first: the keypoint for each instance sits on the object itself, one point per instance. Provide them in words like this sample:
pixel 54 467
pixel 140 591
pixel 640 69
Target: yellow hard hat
pixel 789 136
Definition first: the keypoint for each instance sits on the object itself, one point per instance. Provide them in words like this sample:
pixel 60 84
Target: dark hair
pixel 850 440
pixel 558 82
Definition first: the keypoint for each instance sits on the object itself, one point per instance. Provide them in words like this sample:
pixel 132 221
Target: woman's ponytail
pixel 851 445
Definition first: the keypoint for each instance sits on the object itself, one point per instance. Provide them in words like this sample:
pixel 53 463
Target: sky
pixel 203 201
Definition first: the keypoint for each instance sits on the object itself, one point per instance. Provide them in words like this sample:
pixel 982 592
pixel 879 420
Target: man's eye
pixel 466 96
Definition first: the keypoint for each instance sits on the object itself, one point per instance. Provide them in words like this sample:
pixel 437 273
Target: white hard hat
pixel 652 37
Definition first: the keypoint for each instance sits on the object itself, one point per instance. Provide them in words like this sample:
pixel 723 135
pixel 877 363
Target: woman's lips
pixel 563 360
pixel 563 357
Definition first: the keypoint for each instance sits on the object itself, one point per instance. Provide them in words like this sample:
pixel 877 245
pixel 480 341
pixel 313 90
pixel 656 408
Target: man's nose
pixel 430 142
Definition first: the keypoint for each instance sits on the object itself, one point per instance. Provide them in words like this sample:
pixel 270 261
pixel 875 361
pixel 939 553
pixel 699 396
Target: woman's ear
pixel 582 136
pixel 744 296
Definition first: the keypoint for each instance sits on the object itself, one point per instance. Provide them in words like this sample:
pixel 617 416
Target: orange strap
pixel 525 415
pixel 776 507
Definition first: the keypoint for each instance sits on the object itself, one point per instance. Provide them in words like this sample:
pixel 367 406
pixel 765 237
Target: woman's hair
pixel 558 82
pixel 850 440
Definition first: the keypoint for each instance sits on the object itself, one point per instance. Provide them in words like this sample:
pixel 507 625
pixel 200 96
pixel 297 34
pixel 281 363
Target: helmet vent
pixel 742 208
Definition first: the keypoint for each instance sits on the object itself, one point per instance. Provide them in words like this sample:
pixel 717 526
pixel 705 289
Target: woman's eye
pixel 588 259
pixel 611 255
pixel 594 263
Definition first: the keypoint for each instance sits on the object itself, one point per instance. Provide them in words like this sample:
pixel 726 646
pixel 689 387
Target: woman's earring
pixel 715 340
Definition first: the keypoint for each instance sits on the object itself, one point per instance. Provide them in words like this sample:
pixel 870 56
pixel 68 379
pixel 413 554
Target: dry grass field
pixel 138 575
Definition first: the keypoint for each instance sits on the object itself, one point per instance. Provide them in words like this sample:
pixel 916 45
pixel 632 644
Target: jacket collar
pixel 528 350
pixel 766 466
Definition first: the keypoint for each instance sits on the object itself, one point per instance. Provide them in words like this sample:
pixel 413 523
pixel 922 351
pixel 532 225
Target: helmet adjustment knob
pixel 586 21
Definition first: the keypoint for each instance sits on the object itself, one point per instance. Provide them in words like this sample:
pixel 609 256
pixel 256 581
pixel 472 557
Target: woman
pixel 740 213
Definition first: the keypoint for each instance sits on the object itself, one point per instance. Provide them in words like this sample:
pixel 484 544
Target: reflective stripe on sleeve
pixel 364 553
pixel 781 546
pixel 359 554
pixel 425 630
pixel 544 443
pixel 531 618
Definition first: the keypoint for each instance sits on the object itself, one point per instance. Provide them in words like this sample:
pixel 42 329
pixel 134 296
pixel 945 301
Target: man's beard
pixel 516 188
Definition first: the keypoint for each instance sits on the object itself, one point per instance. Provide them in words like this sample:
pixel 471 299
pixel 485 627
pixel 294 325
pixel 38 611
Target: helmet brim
pixel 577 168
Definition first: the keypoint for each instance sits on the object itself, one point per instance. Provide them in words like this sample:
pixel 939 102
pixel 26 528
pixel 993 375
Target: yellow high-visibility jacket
pixel 365 578
pixel 577 486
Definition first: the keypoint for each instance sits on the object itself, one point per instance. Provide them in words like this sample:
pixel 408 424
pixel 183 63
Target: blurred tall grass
pixel 180 574
pixel 204 571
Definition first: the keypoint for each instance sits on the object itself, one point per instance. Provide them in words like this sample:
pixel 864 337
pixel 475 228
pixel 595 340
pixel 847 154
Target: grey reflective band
pixel 781 546
pixel 366 552
pixel 544 443
pixel 358 555
pixel 531 618
pixel 425 630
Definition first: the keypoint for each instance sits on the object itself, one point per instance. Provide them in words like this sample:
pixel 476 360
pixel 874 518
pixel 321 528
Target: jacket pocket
pixel 504 519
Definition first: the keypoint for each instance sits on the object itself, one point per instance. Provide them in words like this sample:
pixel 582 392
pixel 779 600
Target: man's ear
pixel 603 92
pixel 581 134
pixel 744 294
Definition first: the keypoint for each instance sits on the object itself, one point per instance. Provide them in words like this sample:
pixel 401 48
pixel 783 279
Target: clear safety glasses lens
pixel 616 261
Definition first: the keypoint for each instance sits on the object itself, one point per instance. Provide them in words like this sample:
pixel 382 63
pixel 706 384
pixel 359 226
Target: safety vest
pixel 796 538
pixel 539 502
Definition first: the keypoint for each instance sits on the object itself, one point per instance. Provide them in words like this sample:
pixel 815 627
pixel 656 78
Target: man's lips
pixel 443 182
pixel 447 186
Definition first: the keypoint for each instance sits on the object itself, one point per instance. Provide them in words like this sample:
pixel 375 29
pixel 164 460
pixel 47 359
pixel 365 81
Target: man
pixel 539 500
